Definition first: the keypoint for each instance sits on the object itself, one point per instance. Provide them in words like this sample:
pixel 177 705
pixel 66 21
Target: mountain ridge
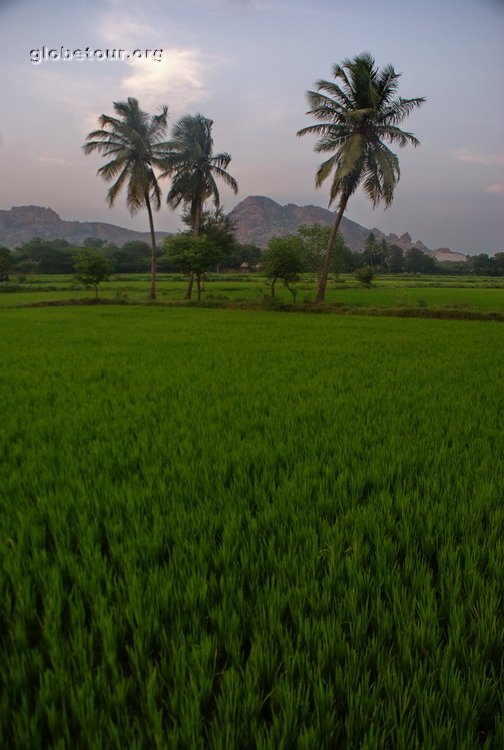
pixel 22 223
pixel 258 219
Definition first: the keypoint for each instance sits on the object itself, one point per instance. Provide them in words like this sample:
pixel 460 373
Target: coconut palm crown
pixel 136 143
pixel 194 168
pixel 358 117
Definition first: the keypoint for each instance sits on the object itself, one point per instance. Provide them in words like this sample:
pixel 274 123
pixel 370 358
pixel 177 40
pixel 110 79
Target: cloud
pixel 474 157
pixel 81 99
pixel 496 189
pixel 123 33
pixel 53 160
pixel 176 80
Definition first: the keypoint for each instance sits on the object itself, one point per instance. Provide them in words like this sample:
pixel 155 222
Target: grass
pixel 243 530
pixel 444 294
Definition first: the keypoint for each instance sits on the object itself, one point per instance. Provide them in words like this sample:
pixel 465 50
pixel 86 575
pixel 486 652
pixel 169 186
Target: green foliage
pixel 135 141
pixel 499 264
pixel 244 257
pixel 44 256
pixel 260 549
pixel 376 253
pixel 395 259
pixel 220 229
pixel 364 275
pixel 357 119
pixel 483 265
pixel 94 242
pixel 193 167
pixel 193 255
pixel 315 239
pixel 284 258
pixel 5 263
pixel 132 257
pixel 416 261
pixel 91 268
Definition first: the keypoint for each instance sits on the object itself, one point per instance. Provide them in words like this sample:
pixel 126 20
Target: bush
pixel 364 275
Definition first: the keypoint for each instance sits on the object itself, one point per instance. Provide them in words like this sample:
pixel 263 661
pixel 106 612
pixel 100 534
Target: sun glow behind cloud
pixel 475 157
pixel 496 189
pixel 176 80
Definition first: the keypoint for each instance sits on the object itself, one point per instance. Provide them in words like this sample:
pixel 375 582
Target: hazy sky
pixel 247 65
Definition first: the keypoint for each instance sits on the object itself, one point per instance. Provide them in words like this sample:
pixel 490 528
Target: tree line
pixel 217 250
pixel 39 256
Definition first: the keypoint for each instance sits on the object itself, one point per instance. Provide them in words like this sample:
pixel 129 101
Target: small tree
pixel 396 259
pixel 284 259
pixel 219 228
pixel 499 264
pixel 364 275
pixel 315 239
pixel 416 261
pixel 193 255
pixel 5 263
pixel 483 265
pixel 91 269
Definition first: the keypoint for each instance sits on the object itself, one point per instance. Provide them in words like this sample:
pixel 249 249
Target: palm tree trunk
pixel 152 293
pixel 327 258
pixel 196 227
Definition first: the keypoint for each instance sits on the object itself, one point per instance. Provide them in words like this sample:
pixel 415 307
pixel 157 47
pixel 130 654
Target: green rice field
pixel 444 293
pixel 243 529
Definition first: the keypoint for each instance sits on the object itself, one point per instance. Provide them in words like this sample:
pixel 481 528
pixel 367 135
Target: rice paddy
pixel 235 529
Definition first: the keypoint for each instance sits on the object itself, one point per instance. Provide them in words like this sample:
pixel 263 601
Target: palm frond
pixel 356 116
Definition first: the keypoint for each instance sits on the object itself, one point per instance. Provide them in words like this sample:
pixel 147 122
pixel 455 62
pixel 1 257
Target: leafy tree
pixel 315 238
pixel 356 121
pixel 395 259
pixel 364 275
pixel 219 227
pixel 5 263
pixel 372 251
pixel 383 255
pixel 95 242
pixel 193 255
pixel 284 258
pixel 44 256
pixel 243 255
pixel 483 265
pixel 416 261
pixel 453 268
pixel 194 168
pixel 91 268
pixel 136 142
pixel 132 257
pixel 499 264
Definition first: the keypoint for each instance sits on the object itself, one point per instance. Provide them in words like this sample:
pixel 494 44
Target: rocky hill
pixel 404 241
pixel 258 219
pixel 444 255
pixel 22 223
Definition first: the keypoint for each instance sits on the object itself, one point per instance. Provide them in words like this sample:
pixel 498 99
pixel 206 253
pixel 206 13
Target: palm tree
pixel 194 168
pixel 358 115
pixel 136 142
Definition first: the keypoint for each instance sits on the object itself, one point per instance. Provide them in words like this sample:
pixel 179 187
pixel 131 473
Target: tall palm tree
pixel 358 115
pixel 194 168
pixel 136 142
